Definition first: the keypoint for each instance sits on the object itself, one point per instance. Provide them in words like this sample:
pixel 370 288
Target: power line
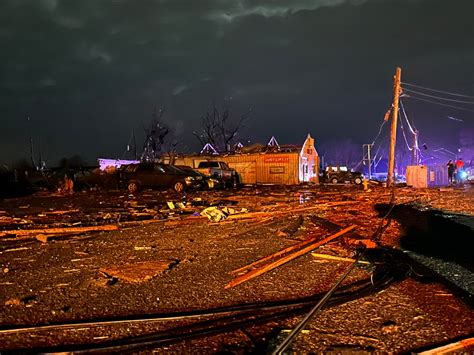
pixel 440 91
pixel 438 103
pixel 455 119
pixel 380 131
pixel 406 117
pixel 404 136
pixel 439 97
pixel 373 142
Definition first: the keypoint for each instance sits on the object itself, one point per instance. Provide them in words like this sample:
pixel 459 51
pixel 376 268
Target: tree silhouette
pixel 155 137
pixel 220 128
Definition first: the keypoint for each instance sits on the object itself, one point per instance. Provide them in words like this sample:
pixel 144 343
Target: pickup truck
pixel 219 170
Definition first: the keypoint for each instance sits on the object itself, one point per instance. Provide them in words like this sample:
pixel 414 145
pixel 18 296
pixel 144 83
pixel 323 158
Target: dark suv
pixel 136 176
pixel 337 174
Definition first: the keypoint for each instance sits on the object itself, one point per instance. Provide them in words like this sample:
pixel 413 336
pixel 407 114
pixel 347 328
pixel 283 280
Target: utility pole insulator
pixel 393 126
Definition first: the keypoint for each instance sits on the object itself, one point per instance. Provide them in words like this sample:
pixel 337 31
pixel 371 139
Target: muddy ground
pixel 161 260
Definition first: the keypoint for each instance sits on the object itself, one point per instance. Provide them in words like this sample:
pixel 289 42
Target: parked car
pixel 204 180
pixel 219 170
pixel 341 174
pixel 137 176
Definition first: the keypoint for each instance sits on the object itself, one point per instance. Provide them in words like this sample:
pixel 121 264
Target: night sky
pixel 89 72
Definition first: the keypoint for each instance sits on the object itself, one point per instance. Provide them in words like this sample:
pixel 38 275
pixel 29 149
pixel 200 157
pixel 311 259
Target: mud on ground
pixel 162 260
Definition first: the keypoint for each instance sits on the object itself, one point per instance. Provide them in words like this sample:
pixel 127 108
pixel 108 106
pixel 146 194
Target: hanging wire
pixel 380 131
pixel 455 119
pixel 406 117
pixel 440 91
pixel 413 131
pixel 404 136
pixel 437 103
pixel 380 158
pixel 377 151
pixel 373 142
pixel 439 97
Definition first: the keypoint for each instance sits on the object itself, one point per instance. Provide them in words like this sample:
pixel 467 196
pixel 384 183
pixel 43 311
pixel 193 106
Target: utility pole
pixel 369 158
pixel 393 126
pixel 32 157
pixel 415 151
pixel 135 156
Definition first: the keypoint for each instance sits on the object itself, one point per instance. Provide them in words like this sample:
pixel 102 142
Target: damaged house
pixel 264 164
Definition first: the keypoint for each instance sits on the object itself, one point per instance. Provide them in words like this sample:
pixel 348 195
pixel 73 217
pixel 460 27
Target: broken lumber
pixel 274 255
pixel 270 266
pixel 290 210
pixel 14 249
pixel 63 212
pixel 66 230
pixel 337 258
pixel 462 346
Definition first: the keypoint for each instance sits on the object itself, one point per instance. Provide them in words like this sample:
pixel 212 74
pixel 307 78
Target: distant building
pixel 106 164
pixel 266 164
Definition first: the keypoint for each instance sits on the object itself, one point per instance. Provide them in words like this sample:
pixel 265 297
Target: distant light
pixel 463 175
pixel 116 163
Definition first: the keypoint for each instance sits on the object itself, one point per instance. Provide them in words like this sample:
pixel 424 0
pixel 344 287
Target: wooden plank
pixel 274 255
pixel 464 346
pixel 67 230
pixel 291 210
pixel 267 267
pixel 63 212
pixel 337 258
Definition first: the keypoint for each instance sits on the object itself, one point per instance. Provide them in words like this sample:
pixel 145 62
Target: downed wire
pixel 284 345
pixel 233 317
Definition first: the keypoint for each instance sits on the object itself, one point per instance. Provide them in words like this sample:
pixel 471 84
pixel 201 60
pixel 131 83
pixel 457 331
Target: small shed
pixel 423 176
pixel 270 164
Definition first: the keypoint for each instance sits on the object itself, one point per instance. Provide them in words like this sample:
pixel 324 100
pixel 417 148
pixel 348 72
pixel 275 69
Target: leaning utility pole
pixel 393 127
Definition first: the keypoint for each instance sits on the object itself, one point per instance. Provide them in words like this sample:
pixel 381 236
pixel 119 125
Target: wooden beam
pixel 267 267
pixel 337 258
pixel 67 230
pixel 459 347
pixel 274 255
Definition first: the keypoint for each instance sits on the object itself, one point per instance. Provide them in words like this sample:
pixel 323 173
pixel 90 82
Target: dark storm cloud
pixel 88 72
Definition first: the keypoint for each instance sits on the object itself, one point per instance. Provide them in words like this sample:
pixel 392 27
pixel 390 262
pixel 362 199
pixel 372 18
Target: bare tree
pixel 155 137
pixel 220 128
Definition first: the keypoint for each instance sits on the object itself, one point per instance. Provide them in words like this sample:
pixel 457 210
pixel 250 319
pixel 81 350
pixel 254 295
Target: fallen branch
pixel 267 267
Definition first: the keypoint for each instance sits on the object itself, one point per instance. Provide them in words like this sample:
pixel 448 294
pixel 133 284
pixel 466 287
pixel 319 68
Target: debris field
pixel 90 269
